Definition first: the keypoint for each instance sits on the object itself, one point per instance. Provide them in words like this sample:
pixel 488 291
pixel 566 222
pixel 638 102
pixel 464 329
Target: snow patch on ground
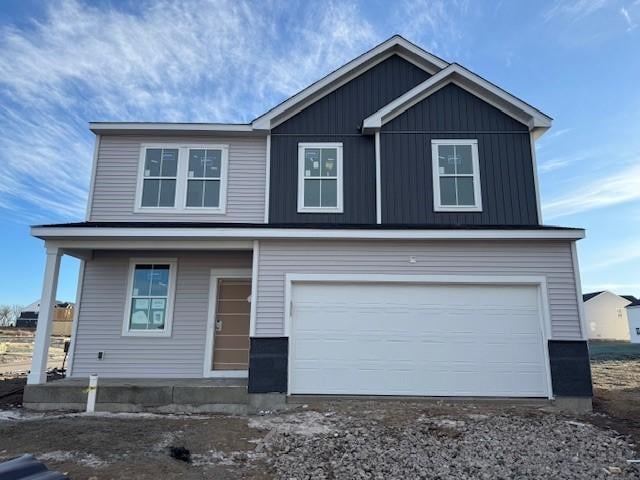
pixel 86 459
pixel 304 423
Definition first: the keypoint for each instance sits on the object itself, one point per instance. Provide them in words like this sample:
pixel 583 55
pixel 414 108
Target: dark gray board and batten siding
pixel 504 150
pixel 338 117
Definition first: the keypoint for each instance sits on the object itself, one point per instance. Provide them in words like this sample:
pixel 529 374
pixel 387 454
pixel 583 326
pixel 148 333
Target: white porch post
pixel 45 317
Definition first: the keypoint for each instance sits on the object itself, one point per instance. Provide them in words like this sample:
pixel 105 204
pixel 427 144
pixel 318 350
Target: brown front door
pixel 231 337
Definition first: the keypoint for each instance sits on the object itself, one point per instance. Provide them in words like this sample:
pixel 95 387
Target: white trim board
pixel 139 233
pixel 454 73
pixel 76 318
pixel 161 127
pixel 214 276
pixel 539 281
pixel 94 171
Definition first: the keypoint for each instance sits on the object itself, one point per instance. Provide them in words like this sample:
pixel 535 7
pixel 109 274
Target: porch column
pixel 45 317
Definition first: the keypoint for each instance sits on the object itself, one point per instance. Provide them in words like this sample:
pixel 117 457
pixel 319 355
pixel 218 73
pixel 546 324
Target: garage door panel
pixel 411 339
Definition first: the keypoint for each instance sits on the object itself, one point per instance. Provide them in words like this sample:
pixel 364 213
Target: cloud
pixel 199 61
pixel 574 9
pixel 630 253
pixel 631 25
pixel 621 187
pixel 620 288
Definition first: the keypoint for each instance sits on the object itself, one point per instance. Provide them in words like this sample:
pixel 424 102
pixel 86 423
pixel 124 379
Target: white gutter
pixel 50 233
pixel 133 127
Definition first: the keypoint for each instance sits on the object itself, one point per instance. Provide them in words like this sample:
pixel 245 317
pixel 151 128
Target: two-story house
pixel 378 233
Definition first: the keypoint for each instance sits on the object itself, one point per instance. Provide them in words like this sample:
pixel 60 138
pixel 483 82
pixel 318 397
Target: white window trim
pixel 180 204
pixel 437 206
pixel 168 320
pixel 339 182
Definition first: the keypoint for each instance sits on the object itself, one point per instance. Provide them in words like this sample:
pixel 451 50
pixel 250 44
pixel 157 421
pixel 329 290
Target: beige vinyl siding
pixel 102 312
pixel 117 175
pixel 549 258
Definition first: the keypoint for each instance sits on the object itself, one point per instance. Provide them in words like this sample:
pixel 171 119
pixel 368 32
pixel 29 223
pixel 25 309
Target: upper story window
pixel 160 175
pixel 149 303
pixel 456 176
pixel 320 178
pixel 182 178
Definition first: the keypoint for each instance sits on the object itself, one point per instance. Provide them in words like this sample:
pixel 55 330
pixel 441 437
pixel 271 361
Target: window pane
pixel 194 193
pixel 142 280
pixel 159 280
pixel 150 190
pixel 140 313
pixel 312 193
pixel 463 159
pixel 152 162
pixel 213 165
pixel 312 162
pixel 157 313
pixel 212 193
pixel 169 162
pixel 446 159
pixel 329 162
pixel 196 163
pixel 329 195
pixel 447 191
pixel 167 193
pixel 465 191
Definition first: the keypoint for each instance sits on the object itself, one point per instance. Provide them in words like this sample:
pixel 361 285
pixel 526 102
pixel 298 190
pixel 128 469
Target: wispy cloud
pixel 574 9
pixel 170 61
pixel 618 288
pixel 621 187
pixel 631 24
pixel 629 252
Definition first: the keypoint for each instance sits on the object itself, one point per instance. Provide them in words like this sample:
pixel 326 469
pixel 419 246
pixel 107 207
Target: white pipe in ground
pixel 93 390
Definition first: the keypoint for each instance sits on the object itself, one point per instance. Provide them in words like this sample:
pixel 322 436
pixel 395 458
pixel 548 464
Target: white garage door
pixel 416 339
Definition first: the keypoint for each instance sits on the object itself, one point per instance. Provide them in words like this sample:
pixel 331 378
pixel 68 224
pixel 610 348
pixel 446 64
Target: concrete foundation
pixel 573 404
pixel 142 395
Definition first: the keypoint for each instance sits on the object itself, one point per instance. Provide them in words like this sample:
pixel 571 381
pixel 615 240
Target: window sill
pixel 320 210
pixel 457 209
pixel 181 211
pixel 146 333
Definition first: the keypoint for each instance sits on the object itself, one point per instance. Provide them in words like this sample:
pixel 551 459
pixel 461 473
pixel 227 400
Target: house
pixel 378 233
pixel 62 317
pixel 633 314
pixel 606 316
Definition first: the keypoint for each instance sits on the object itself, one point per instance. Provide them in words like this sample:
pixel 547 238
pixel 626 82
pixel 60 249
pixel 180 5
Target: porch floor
pixel 187 395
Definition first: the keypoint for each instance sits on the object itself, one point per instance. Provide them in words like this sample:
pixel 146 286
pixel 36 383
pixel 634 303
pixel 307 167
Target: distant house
pixel 633 314
pixel 606 316
pixel 62 317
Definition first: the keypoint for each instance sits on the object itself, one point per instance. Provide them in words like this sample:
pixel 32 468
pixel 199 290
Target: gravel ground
pixel 454 442
pixel 338 440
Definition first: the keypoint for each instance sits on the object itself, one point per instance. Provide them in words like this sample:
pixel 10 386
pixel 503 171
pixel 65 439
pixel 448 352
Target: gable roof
pixel 396 45
pixel 589 296
pixel 442 73
pixel 537 121
pixel 634 304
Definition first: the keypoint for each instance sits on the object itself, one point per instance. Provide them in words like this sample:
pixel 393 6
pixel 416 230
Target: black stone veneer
pixel 570 368
pixel 268 358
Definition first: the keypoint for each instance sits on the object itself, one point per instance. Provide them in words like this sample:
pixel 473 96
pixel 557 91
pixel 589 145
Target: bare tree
pixel 5 314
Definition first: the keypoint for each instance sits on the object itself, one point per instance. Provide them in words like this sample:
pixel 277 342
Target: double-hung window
pixel 320 178
pixel 204 178
pixel 456 176
pixel 159 177
pixel 150 291
pixel 182 178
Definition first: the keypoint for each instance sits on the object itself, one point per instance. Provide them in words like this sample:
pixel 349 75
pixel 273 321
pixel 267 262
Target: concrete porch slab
pixel 180 395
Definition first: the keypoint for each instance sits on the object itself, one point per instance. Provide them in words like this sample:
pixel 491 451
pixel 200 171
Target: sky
pixel 65 63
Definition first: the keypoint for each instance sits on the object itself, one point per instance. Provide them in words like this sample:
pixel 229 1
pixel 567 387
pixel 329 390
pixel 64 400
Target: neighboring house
pixel 62 317
pixel 606 316
pixel 378 233
pixel 633 315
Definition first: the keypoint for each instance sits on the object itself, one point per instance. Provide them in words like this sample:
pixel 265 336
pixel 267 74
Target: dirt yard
pixel 16 348
pixel 350 440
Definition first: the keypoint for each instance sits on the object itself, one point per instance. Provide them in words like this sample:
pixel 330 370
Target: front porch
pixel 167 320
pixel 165 395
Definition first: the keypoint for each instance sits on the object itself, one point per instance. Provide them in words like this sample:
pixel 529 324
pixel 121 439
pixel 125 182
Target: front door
pixel 231 325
